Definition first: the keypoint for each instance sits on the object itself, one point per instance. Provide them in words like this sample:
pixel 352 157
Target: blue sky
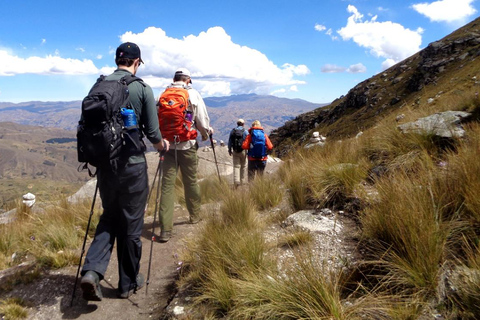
pixel 309 49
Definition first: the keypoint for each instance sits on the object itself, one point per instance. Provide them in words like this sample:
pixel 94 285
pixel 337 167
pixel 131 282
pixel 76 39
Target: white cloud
pixel 99 56
pixel 354 68
pixel 446 10
pixel 294 88
pixel 387 39
pixel 279 91
pixel 80 49
pixel 44 41
pixel 388 63
pixel 320 27
pixel 332 68
pixel 357 68
pixel 11 65
pixel 218 65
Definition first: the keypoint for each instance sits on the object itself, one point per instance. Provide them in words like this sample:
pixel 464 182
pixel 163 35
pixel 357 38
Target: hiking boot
pixel 90 285
pixel 194 220
pixel 139 285
pixel 165 236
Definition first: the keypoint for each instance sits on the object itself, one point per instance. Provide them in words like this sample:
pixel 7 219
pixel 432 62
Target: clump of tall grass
pixel 225 248
pixel 13 308
pixel 51 237
pixel 308 290
pixel 409 235
pixel 212 188
pixel 238 209
pixel 334 185
pixel 465 280
pixel 459 182
pixel 266 192
pixel 297 187
pixel 389 147
pixel 324 176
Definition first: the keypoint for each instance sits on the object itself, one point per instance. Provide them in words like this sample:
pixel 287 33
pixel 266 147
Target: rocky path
pixel 50 296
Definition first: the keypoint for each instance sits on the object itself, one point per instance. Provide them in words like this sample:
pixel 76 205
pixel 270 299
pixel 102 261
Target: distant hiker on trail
pixel 235 141
pixel 181 112
pixel 257 143
pixel 123 190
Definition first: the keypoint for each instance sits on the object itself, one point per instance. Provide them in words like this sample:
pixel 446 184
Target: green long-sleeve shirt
pixel 143 101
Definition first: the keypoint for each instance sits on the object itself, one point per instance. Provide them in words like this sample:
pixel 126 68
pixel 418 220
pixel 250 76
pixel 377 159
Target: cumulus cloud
pixel 218 65
pixel 387 39
pixel 446 10
pixel 320 27
pixel 357 68
pixel 11 65
pixel 332 68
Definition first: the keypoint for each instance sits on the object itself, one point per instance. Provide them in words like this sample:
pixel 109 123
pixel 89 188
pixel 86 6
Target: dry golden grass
pixel 13 309
pixel 52 238
pixel 266 192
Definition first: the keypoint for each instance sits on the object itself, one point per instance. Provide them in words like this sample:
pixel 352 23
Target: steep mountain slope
pixel 447 68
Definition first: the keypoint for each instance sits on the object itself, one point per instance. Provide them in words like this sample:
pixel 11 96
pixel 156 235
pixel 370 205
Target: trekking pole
pixel 215 156
pixel 157 201
pixel 84 241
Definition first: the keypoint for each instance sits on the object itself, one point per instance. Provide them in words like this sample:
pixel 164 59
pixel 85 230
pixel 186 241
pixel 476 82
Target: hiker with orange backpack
pixel 257 143
pixel 181 112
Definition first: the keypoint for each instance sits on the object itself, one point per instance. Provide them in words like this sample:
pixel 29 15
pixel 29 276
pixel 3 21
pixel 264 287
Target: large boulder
pixel 446 124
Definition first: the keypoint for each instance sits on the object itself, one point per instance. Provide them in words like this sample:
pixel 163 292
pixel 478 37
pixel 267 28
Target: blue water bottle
pixel 129 118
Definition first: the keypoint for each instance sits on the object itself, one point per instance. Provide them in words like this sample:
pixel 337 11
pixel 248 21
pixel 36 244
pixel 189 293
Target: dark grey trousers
pixel 124 196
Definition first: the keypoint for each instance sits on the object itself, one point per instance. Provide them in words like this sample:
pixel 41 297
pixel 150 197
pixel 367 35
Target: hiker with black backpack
pixel 181 113
pixel 257 143
pixel 119 110
pixel 235 141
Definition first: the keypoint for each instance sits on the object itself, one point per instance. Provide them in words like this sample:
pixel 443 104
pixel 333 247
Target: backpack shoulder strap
pixel 131 78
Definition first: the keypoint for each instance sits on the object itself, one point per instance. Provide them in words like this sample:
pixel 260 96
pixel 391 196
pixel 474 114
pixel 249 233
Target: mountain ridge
pixel 447 68
pixel 223 111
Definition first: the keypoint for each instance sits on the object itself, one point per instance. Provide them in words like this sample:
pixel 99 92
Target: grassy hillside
pixel 39 160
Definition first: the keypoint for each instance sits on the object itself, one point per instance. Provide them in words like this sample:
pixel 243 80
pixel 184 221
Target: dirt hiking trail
pixel 49 296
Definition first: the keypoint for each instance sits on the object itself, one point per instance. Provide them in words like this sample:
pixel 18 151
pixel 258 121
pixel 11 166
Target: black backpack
pixel 237 139
pixel 102 139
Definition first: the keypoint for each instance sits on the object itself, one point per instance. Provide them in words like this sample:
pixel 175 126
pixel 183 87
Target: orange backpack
pixel 175 122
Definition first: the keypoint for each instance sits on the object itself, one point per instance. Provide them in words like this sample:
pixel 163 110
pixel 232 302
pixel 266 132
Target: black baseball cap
pixel 128 50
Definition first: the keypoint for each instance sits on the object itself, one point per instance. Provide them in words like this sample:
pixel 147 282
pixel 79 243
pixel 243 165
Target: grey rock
pixel 444 124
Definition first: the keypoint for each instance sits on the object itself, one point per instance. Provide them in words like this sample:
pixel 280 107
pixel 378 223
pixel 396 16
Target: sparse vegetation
pixel 266 192
pixel 13 309
pixel 419 233
pixel 51 239
pixel 415 197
